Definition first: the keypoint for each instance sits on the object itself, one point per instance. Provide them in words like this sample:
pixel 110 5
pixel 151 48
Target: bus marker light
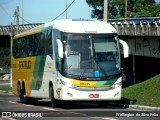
pixel 116 94
pixel 70 94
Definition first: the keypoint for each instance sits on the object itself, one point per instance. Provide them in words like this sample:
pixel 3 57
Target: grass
pixel 5 88
pixel 145 93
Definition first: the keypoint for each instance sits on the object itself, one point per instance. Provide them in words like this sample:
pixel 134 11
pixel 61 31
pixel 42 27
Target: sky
pixel 41 11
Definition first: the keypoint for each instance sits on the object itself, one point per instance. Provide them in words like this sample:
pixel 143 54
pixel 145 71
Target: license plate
pixel 94 95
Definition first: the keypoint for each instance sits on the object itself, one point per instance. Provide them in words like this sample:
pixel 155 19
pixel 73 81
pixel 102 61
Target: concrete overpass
pixel 142 36
pixel 7 31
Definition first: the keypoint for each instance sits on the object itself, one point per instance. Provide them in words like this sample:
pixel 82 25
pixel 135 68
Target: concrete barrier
pixel 6 77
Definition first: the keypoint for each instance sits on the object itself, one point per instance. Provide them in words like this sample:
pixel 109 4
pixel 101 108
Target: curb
pixel 145 107
pixel 139 107
pixel 5 80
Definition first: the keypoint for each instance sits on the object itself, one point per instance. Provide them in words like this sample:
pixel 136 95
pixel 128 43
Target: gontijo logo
pixel 25 64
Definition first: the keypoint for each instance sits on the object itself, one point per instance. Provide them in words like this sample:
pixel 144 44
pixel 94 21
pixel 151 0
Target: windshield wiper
pixel 82 74
pixel 67 68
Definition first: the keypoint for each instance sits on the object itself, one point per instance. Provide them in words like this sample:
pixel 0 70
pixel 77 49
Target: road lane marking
pixel 109 119
pixel 44 108
pixel 9 119
pixel 12 102
pixel 30 105
pixel 4 83
pixel 48 109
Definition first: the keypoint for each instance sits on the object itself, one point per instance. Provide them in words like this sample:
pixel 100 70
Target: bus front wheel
pixel 54 102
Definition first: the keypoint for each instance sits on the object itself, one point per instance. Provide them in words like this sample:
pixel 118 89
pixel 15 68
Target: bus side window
pixel 40 44
pixel 15 48
pixel 48 43
pixel 35 45
pixel 23 47
pixel 30 46
pixel 50 52
pixel 19 48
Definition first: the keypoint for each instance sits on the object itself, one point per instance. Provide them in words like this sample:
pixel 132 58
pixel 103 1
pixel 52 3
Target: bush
pixel 5 61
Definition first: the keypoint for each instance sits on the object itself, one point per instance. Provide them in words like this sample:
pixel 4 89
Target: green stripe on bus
pixel 108 82
pixel 38 72
pixel 111 82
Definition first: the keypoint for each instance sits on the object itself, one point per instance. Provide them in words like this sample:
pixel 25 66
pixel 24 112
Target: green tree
pixel 116 8
pixel 97 6
pixel 136 7
pixel 5 62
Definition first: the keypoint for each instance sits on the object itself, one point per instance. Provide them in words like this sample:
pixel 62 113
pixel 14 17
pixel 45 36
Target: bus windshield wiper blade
pixel 67 68
pixel 82 74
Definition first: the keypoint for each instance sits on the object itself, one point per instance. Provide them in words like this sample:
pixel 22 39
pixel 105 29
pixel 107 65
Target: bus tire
pixel 103 104
pixel 54 102
pixel 33 101
pixel 19 93
pixel 23 95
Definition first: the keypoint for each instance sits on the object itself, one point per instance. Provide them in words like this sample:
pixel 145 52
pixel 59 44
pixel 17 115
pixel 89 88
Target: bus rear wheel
pixel 23 95
pixel 54 102
pixel 20 93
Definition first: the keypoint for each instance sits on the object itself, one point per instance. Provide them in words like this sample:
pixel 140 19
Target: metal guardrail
pixel 144 20
pixel 149 26
pixel 6 30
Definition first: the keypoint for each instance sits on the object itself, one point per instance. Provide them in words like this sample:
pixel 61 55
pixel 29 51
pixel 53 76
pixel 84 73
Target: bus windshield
pixel 91 56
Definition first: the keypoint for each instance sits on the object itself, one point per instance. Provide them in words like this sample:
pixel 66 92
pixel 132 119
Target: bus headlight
pixel 117 85
pixel 68 83
pixel 63 82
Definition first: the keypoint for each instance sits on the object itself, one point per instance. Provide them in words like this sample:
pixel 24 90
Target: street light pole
pixel 22 13
pixel 105 11
pixel 17 19
pixel 126 8
pixel 66 8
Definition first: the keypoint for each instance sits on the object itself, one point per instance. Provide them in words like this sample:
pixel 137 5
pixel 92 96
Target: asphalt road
pixel 11 109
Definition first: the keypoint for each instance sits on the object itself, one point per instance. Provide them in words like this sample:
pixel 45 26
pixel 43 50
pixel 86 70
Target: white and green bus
pixel 68 60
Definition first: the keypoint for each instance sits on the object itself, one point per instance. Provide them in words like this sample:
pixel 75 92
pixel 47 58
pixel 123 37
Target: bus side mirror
pixel 125 48
pixel 60 48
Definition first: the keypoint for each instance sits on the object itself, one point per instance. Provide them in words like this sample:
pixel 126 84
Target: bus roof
pixel 73 26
